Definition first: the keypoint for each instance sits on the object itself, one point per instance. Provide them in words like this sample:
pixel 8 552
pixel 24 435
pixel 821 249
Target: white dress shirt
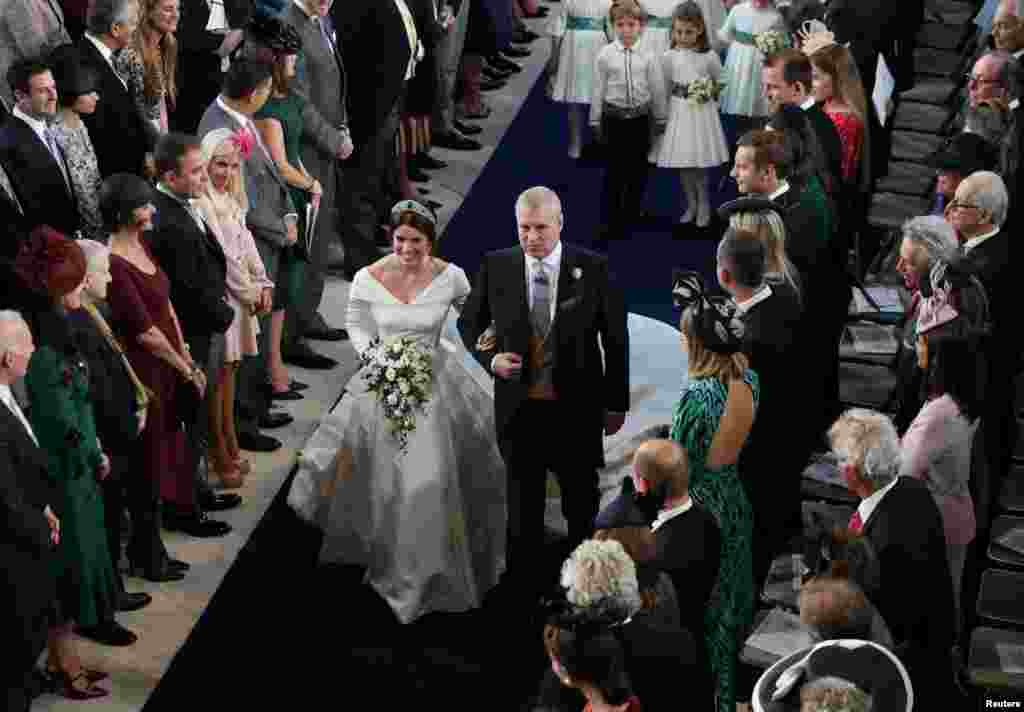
pixel 627 78
pixel 868 505
pixel 108 56
pixel 218 21
pixel 12 405
pixel 756 298
pixel 978 239
pixel 808 103
pixel 666 515
pixel 781 190
pixel 415 48
pixel 552 264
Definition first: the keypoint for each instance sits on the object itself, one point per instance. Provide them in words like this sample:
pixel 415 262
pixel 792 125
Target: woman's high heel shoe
pixel 89 691
pixel 90 675
pixel 156 574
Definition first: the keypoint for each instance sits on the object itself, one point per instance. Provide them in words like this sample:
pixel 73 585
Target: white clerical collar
pixel 756 298
pixel 108 54
pixel 978 239
pixel 1018 54
pixel 552 260
pixel 37 125
pixel 241 118
pixel 868 505
pixel 781 190
pixel 667 515
pixel 1016 102
pixel 808 103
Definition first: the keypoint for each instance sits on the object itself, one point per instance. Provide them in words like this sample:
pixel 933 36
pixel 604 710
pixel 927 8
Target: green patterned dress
pixel 731 609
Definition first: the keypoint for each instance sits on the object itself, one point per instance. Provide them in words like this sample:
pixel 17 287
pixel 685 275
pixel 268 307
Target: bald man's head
pixel 662 460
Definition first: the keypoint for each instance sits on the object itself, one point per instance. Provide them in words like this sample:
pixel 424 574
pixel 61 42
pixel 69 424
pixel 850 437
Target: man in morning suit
pixel 120 134
pixel 771 315
pixel 191 256
pixel 550 304
pixel 900 519
pixel 29 152
pixel 30 528
pixel 378 36
pixel 320 77
pixel 786 79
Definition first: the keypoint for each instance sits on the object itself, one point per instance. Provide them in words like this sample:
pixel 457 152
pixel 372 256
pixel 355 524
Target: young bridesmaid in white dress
pixel 694 140
pixel 578 29
pixel 743 94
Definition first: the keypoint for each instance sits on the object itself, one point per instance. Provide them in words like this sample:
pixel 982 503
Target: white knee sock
pixel 690 191
pixel 703 201
pixel 575 130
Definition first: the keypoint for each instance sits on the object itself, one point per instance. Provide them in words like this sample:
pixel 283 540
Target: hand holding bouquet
pixel 703 90
pixel 400 373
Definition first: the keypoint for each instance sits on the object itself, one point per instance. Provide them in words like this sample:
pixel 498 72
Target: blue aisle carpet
pixel 280 626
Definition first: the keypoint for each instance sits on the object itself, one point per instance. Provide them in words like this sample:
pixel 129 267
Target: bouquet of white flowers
pixel 703 90
pixel 400 373
pixel 770 41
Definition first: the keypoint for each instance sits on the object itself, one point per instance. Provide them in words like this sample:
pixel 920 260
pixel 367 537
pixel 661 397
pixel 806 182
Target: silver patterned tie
pixel 540 315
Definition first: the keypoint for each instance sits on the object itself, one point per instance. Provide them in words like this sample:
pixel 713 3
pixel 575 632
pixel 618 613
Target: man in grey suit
pixel 320 79
pixel 271 219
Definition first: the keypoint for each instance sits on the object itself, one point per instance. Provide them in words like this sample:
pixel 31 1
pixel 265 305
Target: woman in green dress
pixel 280 124
pixel 52 268
pixel 712 421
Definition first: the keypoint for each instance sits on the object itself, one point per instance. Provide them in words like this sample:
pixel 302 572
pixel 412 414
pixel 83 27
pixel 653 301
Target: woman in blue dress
pixel 712 421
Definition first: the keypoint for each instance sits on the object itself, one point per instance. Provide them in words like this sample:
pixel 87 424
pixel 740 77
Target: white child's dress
pixel 581 25
pixel 693 137
pixel 743 94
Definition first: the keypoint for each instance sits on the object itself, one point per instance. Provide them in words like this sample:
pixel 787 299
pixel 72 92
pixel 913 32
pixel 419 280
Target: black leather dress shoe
pixel 516 52
pixel 258 442
pixel 197 525
pixel 506 65
pixel 467 129
pixel 455 142
pixel 166 574
pixel 488 85
pixel 416 175
pixel 307 358
pixel 288 395
pixel 299 385
pixel 133 601
pixel 328 334
pixel 541 12
pixel 178 565
pixel 108 633
pixel 524 36
pixel 433 204
pixel 217 503
pixel 425 162
pixel 275 420
pixel 495 74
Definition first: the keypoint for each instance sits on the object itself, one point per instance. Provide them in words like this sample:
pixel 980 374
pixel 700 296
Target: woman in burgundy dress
pixel 143 318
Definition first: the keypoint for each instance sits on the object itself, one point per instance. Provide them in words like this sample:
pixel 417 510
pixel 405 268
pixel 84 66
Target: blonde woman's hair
pixel 837 62
pixel 94 252
pixel 705 363
pixel 233 203
pixel 770 229
pixel 160 65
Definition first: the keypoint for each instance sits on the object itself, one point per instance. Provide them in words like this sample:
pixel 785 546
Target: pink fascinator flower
pixel 936 310
pixel 245 141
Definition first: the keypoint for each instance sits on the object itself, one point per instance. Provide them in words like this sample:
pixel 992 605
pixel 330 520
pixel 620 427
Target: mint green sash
pixel 664 23
pixel 584 23
pixel 746 38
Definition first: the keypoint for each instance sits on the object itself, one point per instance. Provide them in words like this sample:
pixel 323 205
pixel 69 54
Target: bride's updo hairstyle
pixel 417 216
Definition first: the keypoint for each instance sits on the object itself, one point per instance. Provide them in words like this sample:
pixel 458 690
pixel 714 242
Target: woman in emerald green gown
pixel 712 421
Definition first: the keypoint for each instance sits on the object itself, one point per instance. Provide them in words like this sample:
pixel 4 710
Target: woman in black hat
pixel 77 92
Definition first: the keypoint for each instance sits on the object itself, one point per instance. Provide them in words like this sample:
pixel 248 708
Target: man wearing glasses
pixel 987 108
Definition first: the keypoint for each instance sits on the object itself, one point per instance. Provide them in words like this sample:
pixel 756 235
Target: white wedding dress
pixel 428 524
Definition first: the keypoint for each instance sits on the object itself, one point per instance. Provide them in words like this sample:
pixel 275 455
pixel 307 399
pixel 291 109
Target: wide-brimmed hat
pixel 965 153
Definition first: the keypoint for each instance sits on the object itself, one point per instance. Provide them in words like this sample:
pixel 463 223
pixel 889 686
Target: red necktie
pixel 855 522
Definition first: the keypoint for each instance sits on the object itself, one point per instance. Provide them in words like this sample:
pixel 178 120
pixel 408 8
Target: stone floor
pixel 165 624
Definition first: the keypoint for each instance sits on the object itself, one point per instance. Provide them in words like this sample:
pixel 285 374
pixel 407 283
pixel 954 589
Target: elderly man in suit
pixel 28 28
pixel 554 307
pixel 900 519
pixel 30 531
pixel 35 163
pixel 120 134
pixel 321 79
pixel 381 36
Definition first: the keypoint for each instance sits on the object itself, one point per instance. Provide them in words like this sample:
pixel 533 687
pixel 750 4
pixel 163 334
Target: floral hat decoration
pixel 714 318
pixel 815 35
pixel 942 292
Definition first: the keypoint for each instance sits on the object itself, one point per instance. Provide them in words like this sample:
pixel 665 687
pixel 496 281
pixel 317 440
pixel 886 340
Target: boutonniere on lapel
pixel 577 274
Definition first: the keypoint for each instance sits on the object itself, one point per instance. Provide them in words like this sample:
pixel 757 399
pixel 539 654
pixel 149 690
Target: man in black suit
pixel 900 519
pixel 771 316
pixel 29 152
pixel 374 36
pixel 786 79
pixel 196 267
pixel 119 133
pixel 30 528
pixel 978 214
pixel 550 304
pixel 11 216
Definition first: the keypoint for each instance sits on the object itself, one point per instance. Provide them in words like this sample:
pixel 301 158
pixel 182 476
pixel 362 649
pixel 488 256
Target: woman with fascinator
pixel 712 421
pixel 937 446
pixel 427 519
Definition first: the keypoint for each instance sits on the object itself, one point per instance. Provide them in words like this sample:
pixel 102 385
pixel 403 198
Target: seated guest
pixel 30 533
pixel 988 85
pixel 35 163
pixel 53 268
pixel 142 316
pixel 121 135
pixel 712 421
pixel 836 608
pixel 191 257
pixel 898 515
pixel 937 446
pixel 77 92
pixel 771 319
pixel 764 219
pixel 964 154
pixel 119 399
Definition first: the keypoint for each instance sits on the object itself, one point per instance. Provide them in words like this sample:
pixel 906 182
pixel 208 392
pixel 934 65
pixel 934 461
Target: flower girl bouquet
pixel 770 41
pixel 399 373
pixel 703 90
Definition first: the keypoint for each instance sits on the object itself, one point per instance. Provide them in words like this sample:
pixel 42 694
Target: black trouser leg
pixel 113 508
pixel 627 143
pixel 145 548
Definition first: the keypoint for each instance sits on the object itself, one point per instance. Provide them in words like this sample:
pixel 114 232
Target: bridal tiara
pixel 815 35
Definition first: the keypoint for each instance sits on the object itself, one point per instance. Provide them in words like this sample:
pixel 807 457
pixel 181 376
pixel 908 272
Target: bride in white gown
pixel 429 523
